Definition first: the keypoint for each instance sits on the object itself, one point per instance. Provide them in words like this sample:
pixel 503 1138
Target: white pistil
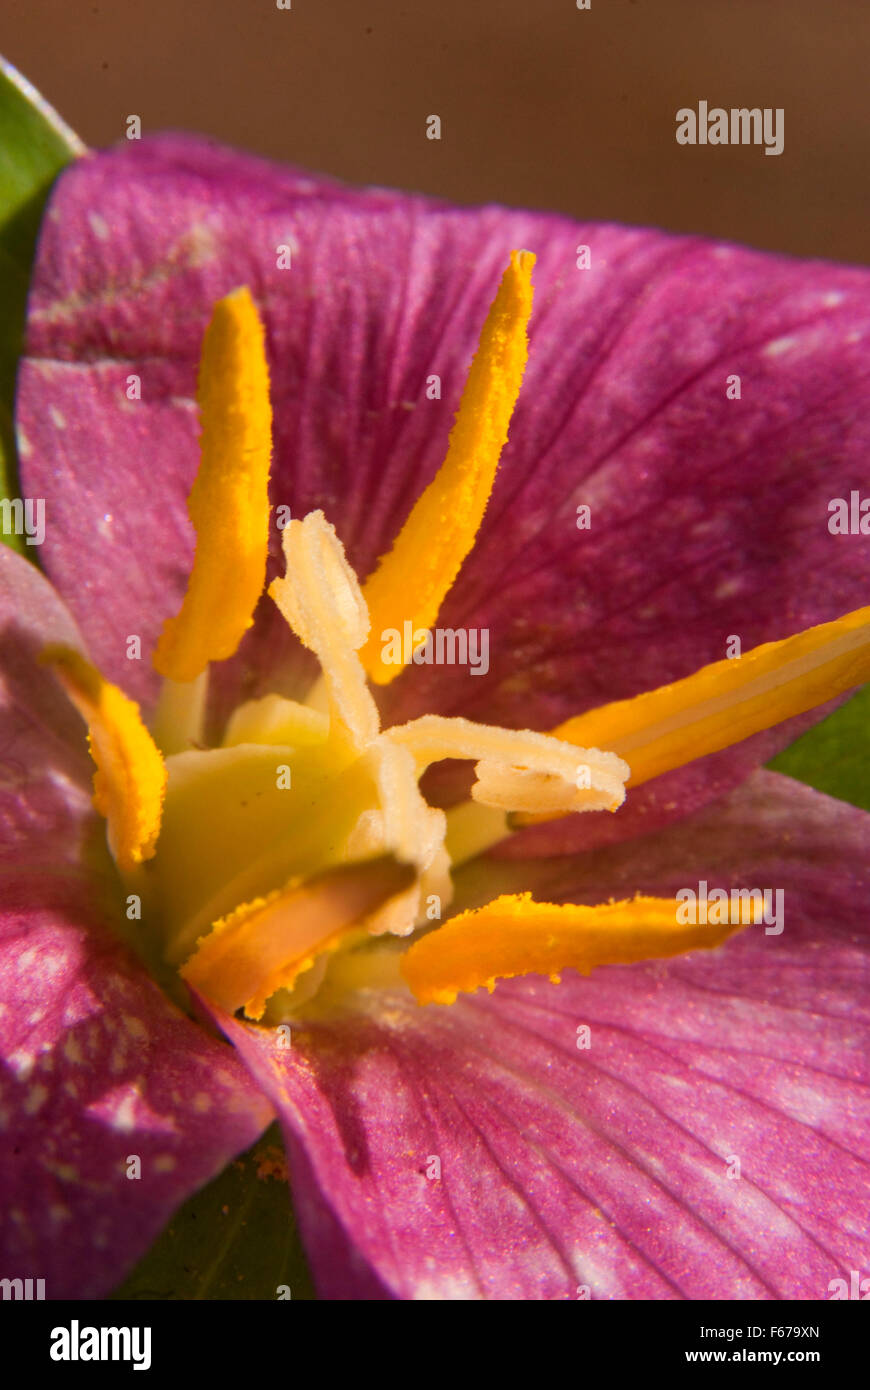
pixel 321 600
pixel 517 770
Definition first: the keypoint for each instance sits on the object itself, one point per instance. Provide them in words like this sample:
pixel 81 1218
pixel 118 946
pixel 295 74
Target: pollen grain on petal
pixel 513 935
pixel 130 781
pixel 413 578
pixel 229 501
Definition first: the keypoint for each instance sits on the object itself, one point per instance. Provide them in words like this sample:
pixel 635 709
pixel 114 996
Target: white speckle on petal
pixel 447 1288
pixel 768 1217
pixel 804 1103
pixel 99 226
pixel 602 1281
pixel 22 1064
pixel 726 587
pixel 124 1117
pixel 780 346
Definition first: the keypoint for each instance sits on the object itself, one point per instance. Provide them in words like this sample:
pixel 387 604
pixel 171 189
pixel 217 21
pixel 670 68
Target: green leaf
pixel 236 1239
pixel 834 756
pixel 35 144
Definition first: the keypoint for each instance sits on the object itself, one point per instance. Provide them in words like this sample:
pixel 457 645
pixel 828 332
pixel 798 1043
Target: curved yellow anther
pixel 728 700
pixel 516 936
pixel 413 578
pixel 263 946
pixel 130 780
pixel 229 500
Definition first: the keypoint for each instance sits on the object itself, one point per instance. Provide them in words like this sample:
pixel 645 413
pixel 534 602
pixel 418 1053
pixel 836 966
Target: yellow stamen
pixel 413 578
pixel 264 945
pixel 229 501
pixel 130 780
pixel 729 700
pixel 515 936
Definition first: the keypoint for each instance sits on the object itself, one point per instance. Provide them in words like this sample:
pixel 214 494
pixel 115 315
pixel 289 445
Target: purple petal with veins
pixel 611 1169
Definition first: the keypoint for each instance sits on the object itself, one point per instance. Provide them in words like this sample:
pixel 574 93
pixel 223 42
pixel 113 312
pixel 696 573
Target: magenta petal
pixel 95 1065
pixel 709 514
pixel 45 771
pixel 564 1169
pixel 98 1067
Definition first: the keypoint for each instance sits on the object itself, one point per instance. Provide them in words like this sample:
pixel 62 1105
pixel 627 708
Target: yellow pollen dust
pixel 513 935
pixel 413 578
pixel 130 780
pixel 229 501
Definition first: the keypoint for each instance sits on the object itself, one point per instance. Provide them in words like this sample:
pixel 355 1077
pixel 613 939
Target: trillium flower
pixel 431 909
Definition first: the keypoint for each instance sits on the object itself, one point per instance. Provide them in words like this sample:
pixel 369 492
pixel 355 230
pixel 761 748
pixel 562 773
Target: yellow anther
pixel 516 936
pixel 229 501
pixel 263 946
pixel 130 780
pixel 413 578
pixel 727 701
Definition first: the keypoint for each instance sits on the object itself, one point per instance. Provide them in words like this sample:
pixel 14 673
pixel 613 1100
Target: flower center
pixel 294 857
pixel 297 792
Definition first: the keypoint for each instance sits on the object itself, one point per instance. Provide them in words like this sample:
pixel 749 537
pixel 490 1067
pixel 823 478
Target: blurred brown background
pixel 542 104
